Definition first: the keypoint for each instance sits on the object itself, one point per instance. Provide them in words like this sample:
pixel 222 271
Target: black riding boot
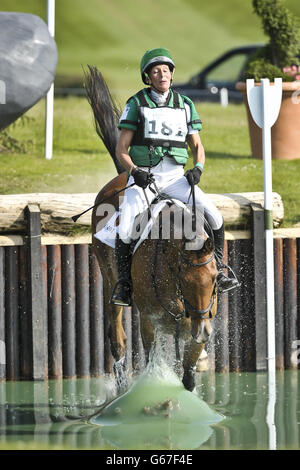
pixel 122 291
pixel 224 283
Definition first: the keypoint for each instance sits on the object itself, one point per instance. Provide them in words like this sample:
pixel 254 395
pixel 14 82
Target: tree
pixel 283 48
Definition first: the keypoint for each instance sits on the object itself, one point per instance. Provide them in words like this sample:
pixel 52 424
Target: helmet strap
pixel 148 80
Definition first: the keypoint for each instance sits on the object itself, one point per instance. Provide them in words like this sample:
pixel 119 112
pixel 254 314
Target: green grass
pixel 113 35
pixel 80 162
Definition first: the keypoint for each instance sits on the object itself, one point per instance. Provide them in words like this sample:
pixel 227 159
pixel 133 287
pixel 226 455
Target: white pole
pixel 50 94
pixel 268 206
pixel 264 103
pixel 267 160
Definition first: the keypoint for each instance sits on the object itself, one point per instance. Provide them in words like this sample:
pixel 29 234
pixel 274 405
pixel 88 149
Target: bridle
pixel 188 306
pixel 178 281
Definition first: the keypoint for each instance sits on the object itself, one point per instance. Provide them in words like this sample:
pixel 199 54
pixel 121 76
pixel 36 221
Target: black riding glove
pixel 141 178
pixel 193 176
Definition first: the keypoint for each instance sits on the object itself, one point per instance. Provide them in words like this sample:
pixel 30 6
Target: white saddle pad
pixel 108 233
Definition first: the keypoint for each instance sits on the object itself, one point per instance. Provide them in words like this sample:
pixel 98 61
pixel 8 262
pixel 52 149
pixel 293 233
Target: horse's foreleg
pixel 118 348
pixel 192 351
pixel 147 333
pixel 117 334
pixel 117 339
pixel 112 313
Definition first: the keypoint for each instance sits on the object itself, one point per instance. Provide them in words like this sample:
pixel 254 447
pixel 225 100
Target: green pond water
pixel 225 411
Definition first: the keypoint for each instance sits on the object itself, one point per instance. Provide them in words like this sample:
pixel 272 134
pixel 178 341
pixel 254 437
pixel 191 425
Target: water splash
pixel 156 412
pixel 161 361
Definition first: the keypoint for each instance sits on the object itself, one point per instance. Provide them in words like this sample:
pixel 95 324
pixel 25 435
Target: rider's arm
pixel 122 148
pixel 196 147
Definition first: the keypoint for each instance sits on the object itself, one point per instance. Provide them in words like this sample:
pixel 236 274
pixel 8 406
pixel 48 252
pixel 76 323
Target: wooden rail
pixel 56 210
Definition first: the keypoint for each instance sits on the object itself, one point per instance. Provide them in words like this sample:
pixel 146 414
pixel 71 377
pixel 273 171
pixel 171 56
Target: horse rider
pixel 155 127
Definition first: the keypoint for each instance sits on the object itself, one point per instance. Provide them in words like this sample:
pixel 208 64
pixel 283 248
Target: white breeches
pixel 170 179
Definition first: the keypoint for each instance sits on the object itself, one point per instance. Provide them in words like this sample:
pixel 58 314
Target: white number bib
pixel 165 124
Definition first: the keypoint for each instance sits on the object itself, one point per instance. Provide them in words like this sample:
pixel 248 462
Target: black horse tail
pixel 105 110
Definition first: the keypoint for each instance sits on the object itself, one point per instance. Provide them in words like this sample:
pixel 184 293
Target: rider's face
pixel 161 76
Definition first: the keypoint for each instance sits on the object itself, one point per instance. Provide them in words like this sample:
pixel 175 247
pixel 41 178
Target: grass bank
pixel 80 162
pixel 113 35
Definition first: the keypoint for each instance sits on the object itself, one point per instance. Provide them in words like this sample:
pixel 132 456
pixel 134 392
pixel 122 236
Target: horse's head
pixel 191 254
pixel 198 274
pixel 183 272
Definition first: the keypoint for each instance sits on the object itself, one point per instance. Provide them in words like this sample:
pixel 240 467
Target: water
pixel 226 411
pixel 157 413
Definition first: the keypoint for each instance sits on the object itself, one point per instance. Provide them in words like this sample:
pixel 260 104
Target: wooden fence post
pixel 12 343
pixel 68 311
pixel 82 311
pixel 96 317
pixel 54 314
pixel 2 316
pixel 221 324
pixel 235 310
pixel 290 301
pixel 36 300
pixel 258 238
pixel 279 302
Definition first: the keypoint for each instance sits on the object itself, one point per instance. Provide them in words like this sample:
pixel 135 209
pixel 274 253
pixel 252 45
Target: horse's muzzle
pixel 200 332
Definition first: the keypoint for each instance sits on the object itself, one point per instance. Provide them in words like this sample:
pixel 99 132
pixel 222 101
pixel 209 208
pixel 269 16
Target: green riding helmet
pixel 155 57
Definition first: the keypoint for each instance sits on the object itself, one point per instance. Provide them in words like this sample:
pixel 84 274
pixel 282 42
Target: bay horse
pixel 173 287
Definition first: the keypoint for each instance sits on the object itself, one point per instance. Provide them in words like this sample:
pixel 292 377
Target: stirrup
pixel 232 278
pixel 121 303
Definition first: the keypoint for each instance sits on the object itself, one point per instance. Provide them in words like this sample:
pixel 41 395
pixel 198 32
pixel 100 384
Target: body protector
pixel 162 127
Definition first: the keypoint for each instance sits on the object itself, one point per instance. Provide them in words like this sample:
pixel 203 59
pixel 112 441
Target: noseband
pixel 187 307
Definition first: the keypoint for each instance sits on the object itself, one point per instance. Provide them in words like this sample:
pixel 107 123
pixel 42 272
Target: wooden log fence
pixel 56 210
pixel 52 323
